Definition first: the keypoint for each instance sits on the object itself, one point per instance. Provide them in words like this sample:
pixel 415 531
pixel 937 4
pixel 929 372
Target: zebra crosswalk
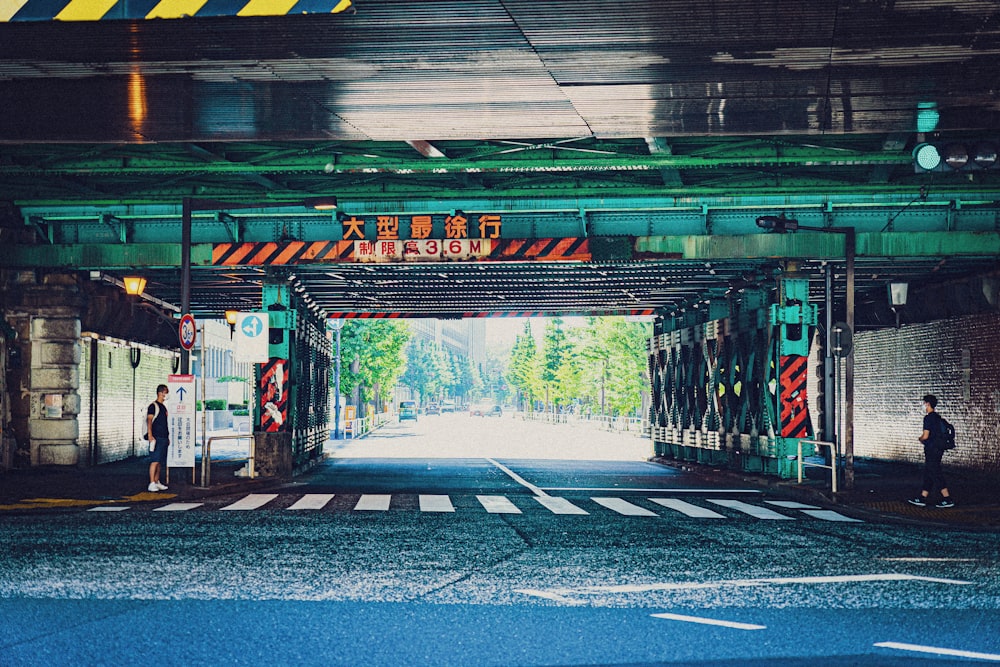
pixel 648 507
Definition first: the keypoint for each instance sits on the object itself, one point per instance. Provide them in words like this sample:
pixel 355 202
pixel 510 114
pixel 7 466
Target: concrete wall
pixel 958 360
pixel 114 432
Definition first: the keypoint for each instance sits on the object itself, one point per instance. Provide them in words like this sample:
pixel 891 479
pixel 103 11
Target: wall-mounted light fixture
pixel 897 297
pixel 898 293
pixel 231 316
pixel 134 285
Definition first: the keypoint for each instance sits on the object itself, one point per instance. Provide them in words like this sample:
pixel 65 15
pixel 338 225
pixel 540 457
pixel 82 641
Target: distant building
pixel 463 338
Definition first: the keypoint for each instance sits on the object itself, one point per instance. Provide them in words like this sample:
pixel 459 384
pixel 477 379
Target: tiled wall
pixel 123 393
pixel 958 360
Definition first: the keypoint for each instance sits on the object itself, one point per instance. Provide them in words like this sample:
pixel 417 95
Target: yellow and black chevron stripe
pixel 105 10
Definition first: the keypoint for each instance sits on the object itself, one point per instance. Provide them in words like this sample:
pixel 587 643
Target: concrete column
pixel 46 314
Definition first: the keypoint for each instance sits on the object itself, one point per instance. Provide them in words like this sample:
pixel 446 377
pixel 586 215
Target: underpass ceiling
pixel 403 106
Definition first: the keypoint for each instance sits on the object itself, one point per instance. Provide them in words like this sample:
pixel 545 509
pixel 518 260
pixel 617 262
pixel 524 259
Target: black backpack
pixel 946 434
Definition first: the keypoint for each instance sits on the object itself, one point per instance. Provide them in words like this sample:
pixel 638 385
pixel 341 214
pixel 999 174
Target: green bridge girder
pixel 799 245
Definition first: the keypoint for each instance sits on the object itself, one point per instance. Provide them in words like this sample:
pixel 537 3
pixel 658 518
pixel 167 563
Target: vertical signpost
pixel 181 409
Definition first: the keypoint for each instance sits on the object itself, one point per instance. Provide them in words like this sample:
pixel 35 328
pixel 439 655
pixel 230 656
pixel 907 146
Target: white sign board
pixel 425 250
pixel 180 414
pixel 251 337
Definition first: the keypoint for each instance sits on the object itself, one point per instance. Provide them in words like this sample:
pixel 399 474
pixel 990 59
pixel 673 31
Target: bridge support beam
pixel 45 311
pixel 293 385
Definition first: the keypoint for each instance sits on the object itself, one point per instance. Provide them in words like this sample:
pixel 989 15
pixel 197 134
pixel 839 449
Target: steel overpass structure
pixel 500 157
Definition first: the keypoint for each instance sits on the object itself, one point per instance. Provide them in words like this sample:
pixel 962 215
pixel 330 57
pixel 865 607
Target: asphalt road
pixel 461 541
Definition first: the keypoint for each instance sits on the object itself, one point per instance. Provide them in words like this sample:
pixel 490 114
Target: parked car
pixel 407 410
pixel 433 409
pixel 447 406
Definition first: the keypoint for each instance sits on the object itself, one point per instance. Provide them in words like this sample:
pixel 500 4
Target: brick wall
pixel 122 394
pixel 957 360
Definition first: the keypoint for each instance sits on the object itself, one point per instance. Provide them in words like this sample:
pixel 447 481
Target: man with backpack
pixel 158 434
pixel 935 442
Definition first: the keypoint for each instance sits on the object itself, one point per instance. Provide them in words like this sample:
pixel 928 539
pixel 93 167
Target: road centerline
pixel 520 480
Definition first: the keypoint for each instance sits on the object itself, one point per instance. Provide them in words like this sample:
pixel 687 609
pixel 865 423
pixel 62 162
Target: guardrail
pixel 355 428
pixel 833 460
pixel 206 457
pixel 633 425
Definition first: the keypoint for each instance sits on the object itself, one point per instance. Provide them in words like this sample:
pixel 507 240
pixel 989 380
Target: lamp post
pixel 189 205
pixel 782 224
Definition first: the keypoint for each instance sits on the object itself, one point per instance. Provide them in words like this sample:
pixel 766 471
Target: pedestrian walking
pixel 933 451
pixel 158 433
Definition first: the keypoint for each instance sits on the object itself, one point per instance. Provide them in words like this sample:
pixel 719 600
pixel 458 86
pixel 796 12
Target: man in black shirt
pixel 159 438
pixel 933 451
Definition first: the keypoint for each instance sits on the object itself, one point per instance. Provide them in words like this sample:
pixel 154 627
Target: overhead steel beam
pixel 809 245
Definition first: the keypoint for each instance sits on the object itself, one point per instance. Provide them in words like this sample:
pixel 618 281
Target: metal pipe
pixel 338 324
pixel 829 381
pixel 185 274
pixel 204 399
pixel 849 251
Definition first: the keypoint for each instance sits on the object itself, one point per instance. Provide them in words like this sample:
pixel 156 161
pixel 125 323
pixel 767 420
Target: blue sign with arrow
pixel 252 326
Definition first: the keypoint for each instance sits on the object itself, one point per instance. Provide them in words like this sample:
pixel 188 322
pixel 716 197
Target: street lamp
pixel 189 205
pixel 781 224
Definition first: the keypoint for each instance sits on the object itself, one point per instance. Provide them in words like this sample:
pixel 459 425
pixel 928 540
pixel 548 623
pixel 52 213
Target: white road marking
pixel 108 508
pixel 371 502
pixel 932 560
pixel 312 501
pixel 436 504
pixel 498 505
pixel 623 507
pixel 251 502
pixel 791 505
pixel 737 583
pixel 559 505
pixel 178 507
pixel 517 478
pixel 657 490
pixel 755 511
pixel 830 515
pixel 710 621
pixel 939 651
pixel 687 508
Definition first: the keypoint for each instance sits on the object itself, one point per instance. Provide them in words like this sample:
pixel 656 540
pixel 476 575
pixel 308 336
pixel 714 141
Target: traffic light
pixel 955 156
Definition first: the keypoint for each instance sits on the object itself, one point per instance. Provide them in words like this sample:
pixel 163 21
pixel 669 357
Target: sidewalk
pixel 881 488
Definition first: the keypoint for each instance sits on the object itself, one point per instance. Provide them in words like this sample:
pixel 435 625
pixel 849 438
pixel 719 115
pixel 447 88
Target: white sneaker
pixel 153 486
pixel 161 487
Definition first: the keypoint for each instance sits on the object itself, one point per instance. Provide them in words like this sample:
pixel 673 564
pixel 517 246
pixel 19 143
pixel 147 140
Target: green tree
pixel 466 376
pixel 427 370
pixel 523 372
pixel 378 346
pixel 554 347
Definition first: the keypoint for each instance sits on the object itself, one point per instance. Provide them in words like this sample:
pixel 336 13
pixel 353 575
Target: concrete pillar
pixel 45 311
pixel 273 452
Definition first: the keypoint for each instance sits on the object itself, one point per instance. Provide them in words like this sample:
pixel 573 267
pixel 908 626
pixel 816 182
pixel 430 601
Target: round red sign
pixel 187 331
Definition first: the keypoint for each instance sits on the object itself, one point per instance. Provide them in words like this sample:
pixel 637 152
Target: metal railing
pixel 634 425
pixel 355 428
pixel 206 457
pixel 833 460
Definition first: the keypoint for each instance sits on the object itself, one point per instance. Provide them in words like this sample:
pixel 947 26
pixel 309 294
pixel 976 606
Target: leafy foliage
pixel 378 346
pixel 601 365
